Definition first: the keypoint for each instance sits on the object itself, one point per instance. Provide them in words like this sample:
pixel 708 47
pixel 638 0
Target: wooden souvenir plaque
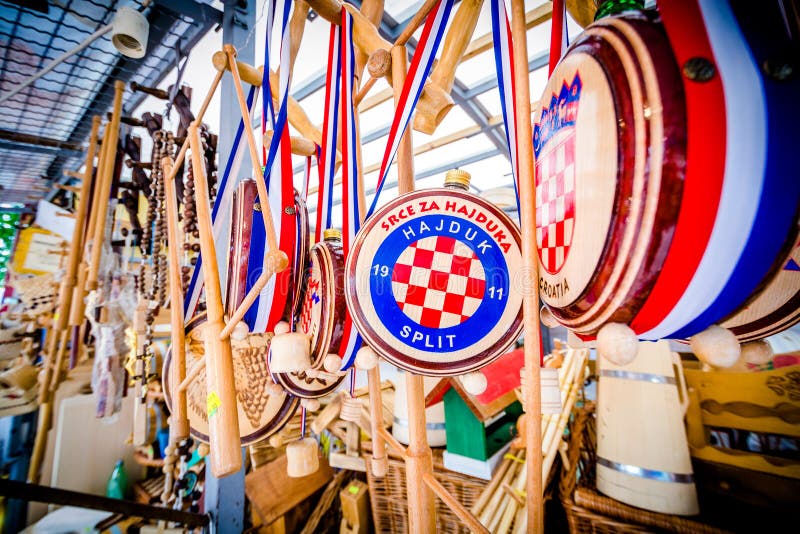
pixel 321 317
pixel 433 282
pixel 260 414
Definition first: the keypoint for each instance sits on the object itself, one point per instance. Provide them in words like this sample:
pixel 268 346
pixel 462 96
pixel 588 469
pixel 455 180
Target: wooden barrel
pixel 260 414
pixel 321 317
pixel 664 190
pixel 433 282
pixel 642 453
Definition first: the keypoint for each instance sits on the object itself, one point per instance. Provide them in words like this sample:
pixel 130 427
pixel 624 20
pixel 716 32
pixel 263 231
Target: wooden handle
pixel 152 91
pixel 300 145
pixel 379 459
pixel 179 421
pixel 530 302
pixel 140 395
pixel 415 22
pixel 104 185
pixel 223 419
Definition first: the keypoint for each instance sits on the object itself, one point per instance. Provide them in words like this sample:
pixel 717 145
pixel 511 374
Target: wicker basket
pixel 588 511
pixel 389 500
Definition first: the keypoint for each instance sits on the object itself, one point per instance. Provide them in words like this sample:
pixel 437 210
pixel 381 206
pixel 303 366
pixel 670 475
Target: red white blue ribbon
pixel 558 34
pixel 330 129
pixel 351 185
pixel 504 63
pixel 270 305
pixel 421 64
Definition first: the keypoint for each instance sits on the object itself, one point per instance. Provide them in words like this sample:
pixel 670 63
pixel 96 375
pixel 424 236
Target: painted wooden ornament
pixel 262 409
pixel 430 280
pixel 302 458
pixel 321 319
pixel 665 196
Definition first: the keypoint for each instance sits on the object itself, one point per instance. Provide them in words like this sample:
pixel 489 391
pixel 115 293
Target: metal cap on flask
pixel 457 178
pixel 332 234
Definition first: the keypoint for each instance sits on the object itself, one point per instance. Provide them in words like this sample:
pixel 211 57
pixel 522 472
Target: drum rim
pixel 375 341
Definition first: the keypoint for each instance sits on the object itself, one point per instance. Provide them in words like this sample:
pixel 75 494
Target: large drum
pixel 666 193
pixel 261 411
pixel 321 317
pixel 433 281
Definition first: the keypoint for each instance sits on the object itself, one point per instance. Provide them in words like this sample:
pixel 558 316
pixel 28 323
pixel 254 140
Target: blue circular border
pixel 485 318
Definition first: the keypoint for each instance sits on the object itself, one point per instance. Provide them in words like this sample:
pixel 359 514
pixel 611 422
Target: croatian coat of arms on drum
pixel 554 146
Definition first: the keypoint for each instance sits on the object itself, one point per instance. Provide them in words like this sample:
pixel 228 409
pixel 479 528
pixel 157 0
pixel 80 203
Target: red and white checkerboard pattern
pixel 438 282
pixel 555 203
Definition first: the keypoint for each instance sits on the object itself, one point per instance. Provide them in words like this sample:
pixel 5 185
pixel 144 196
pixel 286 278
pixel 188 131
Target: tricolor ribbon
pixel 270 305
pixel 558 34
pixel 421 64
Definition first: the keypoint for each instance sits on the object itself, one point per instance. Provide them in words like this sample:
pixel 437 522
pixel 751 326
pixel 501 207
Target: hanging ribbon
pixel 221 213
pixel 270 305
pixel 421 64
pixel 351 179
pixel 558 34
pixel 503 59
pixel 330 129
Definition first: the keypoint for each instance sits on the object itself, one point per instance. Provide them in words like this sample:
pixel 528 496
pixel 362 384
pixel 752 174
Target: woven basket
pixel 389 499
pixel 588 511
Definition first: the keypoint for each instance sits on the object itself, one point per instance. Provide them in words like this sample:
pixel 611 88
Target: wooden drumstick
pixel 106 173
pixel 530 302
pixel 140 434
pixel 179 421
pixel 223 418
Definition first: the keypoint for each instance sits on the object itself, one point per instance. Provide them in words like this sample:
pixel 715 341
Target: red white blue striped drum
pixel 666 193
pixel 433 282
pixel 321 317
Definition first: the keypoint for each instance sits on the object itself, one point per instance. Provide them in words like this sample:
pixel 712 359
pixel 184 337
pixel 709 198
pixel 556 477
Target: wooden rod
pixel 390 441
pixel 179 420
pixel 364 91
pixel 419 460
pixel 415 22
pixel 530 301
pixel 70 188
pixel 95 202
pixel 462 513
pixel 405 151
pixel 140 386
pixel 196 370
pixel 380 462
pixel 223 417
pixel 269 224
pixel 300 145
pixel 209 95
pixel 104 184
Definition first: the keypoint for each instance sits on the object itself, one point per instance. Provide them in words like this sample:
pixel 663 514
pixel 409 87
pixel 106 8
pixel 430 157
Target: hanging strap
pixel 421 64
pixel 270 305
pixel 351 180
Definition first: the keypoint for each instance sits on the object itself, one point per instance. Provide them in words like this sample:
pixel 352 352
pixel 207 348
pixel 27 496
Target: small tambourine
pixel 262 411
pixel 433 280
pixel 321 317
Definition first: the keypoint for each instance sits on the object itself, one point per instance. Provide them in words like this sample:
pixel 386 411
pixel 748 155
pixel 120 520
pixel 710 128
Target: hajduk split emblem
pixel 433 282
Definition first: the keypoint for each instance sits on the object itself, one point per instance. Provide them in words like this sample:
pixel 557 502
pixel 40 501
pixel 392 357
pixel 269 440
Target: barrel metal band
pixel 650 474
pixel 429 426
pixel 641 377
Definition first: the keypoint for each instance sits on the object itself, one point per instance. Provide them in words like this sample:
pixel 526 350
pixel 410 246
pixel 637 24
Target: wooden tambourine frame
pixel 321 316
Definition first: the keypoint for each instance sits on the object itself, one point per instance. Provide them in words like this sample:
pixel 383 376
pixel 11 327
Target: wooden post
pixel 104 184
pixel 223 417
pixel 419 458
pixel 530 302
pixel 179 420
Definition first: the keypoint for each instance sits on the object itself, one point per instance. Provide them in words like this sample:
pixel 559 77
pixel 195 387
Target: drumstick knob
pixel 282 327
pixel 474 383
pixel 332 363
pixel 240 331
pixel 617 343
pixel 757 352
pixel 312 405
pixel 379 466
pixel 716 346
pixel 547 318
pixel 366 358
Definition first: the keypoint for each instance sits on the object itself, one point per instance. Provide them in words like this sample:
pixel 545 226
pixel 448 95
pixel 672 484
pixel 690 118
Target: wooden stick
pixel 372 10
pixel 530 301
pixel 300 145
pixel 390 440
pixel 457 508
pixel 179 420
pixel 405 151
pixel 223 418
pixel 379 459
pixel 140 388
pixel 191 375
pixel 104 184
pixel 487 493
pixel 89 231
pixel 269 225
pixel 491 507
pixel 415 22
pixel 363 92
